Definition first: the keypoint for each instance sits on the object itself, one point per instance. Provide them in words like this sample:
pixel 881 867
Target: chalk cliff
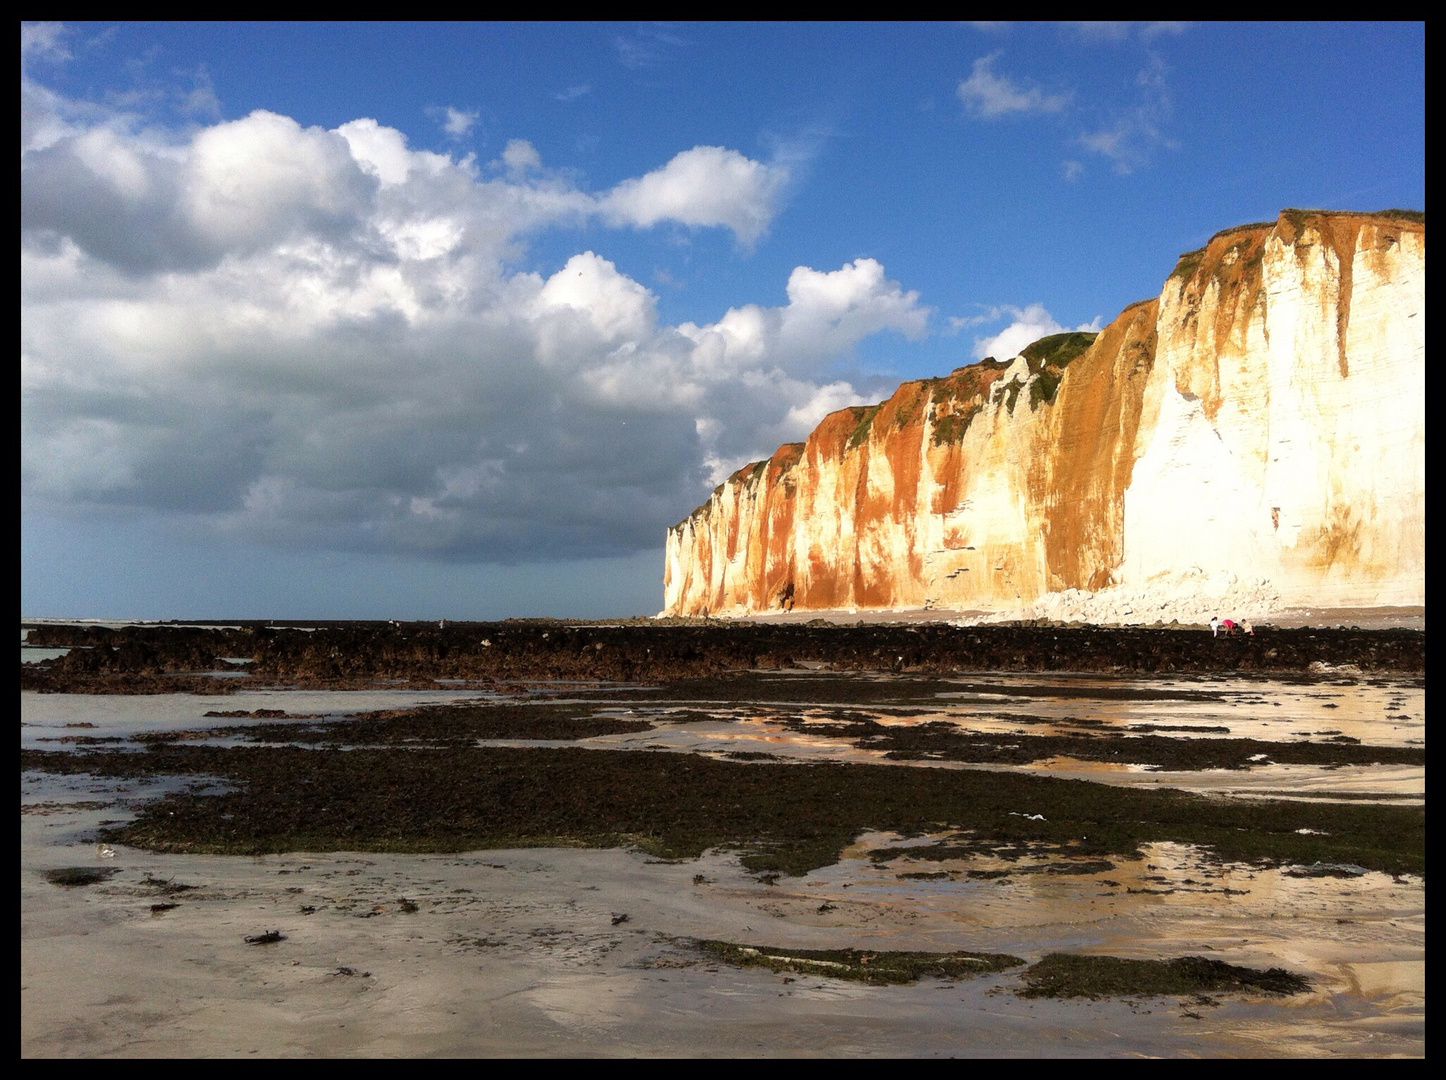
pixel 1263 418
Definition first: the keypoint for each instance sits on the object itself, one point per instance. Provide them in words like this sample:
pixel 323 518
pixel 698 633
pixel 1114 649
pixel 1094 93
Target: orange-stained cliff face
pixel 1264 415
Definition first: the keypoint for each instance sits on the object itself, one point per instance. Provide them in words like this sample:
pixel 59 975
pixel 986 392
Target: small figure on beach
pixel 1246 628
pixel 1214 625
pixel 1228 625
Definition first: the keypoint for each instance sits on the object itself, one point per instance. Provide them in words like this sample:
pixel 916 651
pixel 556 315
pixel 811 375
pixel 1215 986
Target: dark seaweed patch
pixel 160 659
pixel 83 740
pixel 1066 975
pixel 944 741
pixel 260 714
pixel 435 725
pixel 73 877
pixel 787 818
pixel 881 968
pixel 1194 729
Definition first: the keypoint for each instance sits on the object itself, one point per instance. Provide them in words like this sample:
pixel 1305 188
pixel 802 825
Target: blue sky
pixel 419 321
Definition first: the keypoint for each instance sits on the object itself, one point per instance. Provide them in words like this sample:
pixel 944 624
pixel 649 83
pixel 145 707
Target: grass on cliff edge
pixel 1057 350
pixel 860 433
pixel 785 818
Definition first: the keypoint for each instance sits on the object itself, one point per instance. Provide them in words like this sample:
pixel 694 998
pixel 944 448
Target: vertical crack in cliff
pixel 1346 265
pixel 1341 231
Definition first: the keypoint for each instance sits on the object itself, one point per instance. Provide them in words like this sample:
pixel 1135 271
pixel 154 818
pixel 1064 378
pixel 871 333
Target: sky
pixel 453 321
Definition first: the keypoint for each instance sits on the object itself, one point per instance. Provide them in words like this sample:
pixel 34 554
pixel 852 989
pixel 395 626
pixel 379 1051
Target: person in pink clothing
pixel 1228 625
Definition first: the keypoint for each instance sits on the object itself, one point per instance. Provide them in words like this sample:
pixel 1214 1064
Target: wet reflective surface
pixel 1374 712
pixel 521 951
pixel 47 718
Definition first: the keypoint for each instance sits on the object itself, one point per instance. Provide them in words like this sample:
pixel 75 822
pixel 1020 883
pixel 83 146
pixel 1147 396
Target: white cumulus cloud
pixel 704 186
pixel 989 95
pixel 459 122
pixel 320 338
pixel 519 156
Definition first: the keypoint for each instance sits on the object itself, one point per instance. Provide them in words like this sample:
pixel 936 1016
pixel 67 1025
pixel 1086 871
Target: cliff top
pixel 1296 219
pixel 1230 252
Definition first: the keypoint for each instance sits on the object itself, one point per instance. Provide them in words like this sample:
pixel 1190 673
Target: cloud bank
pixel 318 338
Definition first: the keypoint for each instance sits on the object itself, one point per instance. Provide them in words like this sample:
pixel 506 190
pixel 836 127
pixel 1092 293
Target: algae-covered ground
pixel 174 659
pixel 942 741
pixel 1062 975
pixel 870 808
pixel 446 725
pixel 879 967
pixel 1057 975
pixel 783 817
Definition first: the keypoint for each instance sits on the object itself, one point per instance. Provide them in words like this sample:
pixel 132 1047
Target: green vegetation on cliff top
pixel 860 433
pixel 1189 261
pixel 1057 350
pixel 1296 215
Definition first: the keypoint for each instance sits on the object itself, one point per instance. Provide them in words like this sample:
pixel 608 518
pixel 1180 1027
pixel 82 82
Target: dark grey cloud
pixel 237 188
pixel 313 339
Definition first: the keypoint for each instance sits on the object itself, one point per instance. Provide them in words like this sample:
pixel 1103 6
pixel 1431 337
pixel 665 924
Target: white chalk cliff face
pixel 1263 419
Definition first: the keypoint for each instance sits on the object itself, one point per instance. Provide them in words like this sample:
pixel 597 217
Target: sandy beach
pixel 521 953
pixel 551 951
pixel 722 538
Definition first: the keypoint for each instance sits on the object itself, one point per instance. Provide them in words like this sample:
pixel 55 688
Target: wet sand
pixel 526 951
pixel 519 953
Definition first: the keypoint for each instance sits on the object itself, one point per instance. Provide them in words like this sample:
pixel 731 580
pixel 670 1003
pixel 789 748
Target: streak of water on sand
pixel 52 716
pixel 1378 712
pixel 518 952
